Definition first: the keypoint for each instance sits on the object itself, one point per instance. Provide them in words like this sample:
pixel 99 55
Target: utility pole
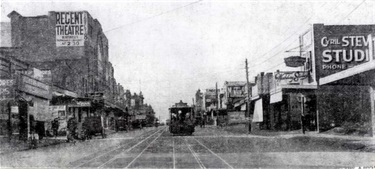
pixel 217 105
pixel 248 94
pixel 217 98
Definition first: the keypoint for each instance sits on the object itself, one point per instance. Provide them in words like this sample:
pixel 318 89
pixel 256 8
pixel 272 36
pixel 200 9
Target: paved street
pixel 207 148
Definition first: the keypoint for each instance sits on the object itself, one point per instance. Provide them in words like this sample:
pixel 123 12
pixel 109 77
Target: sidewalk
pixel 15 144
pixel 355 142
pixel 18 145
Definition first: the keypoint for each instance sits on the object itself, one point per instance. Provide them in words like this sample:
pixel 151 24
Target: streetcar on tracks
pixel 182 119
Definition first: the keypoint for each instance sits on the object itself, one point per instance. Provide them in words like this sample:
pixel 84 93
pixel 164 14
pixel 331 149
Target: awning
pixel 64 93
pixel 276 97
pixel 258 111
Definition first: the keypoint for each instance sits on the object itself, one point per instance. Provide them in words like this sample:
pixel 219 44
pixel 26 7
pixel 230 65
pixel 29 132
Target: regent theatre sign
pixel 338 52
pixel 71 28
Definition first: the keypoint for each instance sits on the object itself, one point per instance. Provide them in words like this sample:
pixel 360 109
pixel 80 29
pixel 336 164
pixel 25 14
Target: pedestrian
pixel 55 127
pixel 72 127
pixel 34 137
pixel 249 126
pixel 303 118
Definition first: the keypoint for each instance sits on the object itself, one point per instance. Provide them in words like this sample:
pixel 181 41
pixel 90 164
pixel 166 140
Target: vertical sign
pixel 71 28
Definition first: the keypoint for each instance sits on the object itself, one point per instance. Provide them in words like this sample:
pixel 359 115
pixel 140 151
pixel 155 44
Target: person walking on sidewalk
pixel 72 127
pixel 34 137
pixel 55 127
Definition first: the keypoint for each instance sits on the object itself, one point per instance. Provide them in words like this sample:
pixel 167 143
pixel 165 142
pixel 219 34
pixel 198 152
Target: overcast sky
pixel 169 49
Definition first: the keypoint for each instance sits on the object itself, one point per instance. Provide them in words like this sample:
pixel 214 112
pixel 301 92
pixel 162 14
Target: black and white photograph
pixel 187 84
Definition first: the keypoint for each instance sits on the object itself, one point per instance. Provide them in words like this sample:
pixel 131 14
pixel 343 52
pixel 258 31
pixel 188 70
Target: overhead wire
pixel 213 73
pixel 286 39
pixel 352 11
pixel 281 51
pixel 154 16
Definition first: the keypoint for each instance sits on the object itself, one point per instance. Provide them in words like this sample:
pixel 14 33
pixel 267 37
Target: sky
pixel 170 49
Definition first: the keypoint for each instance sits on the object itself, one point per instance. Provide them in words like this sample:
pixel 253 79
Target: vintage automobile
pixel 122 124
pixel 93 126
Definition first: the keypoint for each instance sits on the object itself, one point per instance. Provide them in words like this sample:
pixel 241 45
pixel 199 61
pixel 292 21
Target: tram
pixel 181 120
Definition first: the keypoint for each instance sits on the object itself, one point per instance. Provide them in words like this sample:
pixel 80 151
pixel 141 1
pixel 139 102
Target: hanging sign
pixel 291 75
pixel 6 89
pixel 294 61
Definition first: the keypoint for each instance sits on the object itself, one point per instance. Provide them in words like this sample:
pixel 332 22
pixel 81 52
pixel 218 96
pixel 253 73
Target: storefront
pixel 24 105
pixel 345 66
pixel 59 108
pixel 292 101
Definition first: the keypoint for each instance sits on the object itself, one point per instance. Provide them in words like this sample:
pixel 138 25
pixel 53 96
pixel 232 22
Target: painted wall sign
pixel 71 28
pixel 34 87
pixel 338 51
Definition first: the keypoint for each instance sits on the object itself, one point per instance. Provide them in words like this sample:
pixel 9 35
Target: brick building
pixel 79 64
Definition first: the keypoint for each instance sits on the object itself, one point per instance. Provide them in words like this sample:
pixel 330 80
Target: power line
pixel 352 11
pixel 290 36
pixel 151 17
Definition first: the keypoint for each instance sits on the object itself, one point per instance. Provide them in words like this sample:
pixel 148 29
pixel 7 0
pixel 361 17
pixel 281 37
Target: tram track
pixel 225 162
pixel 195 155
pixel 138 140
pixel 144 150
pixel 127 150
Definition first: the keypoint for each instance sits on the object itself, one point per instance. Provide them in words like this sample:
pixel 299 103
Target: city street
pixel 207 148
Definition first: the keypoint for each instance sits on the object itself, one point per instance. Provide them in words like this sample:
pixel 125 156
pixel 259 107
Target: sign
pixel 40 110
pixel 236 116
pixel 343 51
pixel 81 104
pixel 84 104
pixel 140 117
pixel 294 61
pixel 58 111
pixel 71 28
pixel 14 109
pixel 34 87
pixel 291 75
pixel 6 89
pixel 132 102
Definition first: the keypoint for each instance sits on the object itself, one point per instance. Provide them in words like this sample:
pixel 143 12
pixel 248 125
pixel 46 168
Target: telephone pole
pixel 217 105
pixel 248 94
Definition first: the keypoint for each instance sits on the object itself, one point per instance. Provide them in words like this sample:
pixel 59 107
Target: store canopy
pixel 258 111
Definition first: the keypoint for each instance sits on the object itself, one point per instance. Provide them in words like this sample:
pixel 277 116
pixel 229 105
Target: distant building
pixel 234 95
pixel 199 101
